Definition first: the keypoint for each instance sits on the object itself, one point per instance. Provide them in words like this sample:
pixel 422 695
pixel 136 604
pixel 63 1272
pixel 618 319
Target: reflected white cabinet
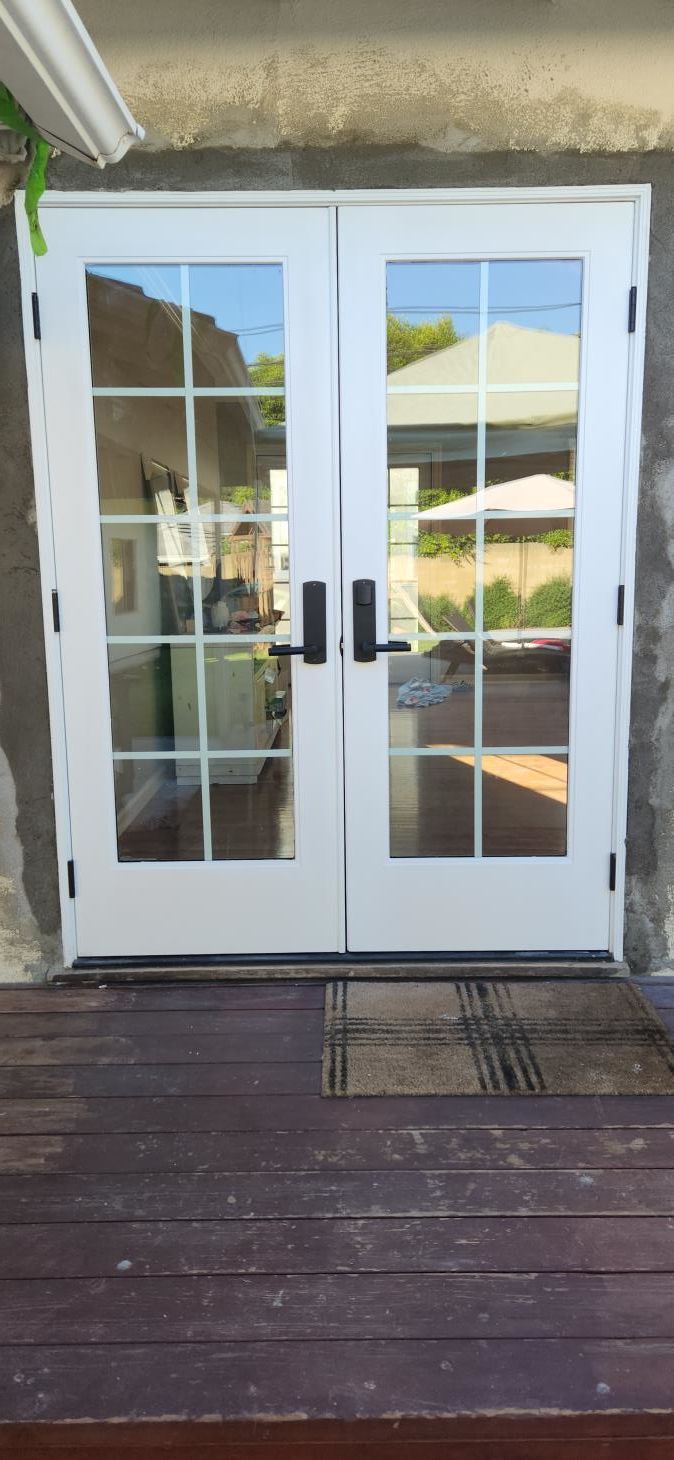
pixel 246 705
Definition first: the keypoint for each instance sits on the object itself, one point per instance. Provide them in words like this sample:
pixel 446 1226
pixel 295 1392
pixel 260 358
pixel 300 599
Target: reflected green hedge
pixel 548 606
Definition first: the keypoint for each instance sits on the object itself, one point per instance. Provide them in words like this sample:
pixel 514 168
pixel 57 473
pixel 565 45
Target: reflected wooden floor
pixel 200 1257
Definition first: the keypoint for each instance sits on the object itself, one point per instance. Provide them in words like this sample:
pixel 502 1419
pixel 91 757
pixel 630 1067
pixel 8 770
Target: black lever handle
pixel 365 647
pixel 275 653
pixel 313 614
pixel 394 646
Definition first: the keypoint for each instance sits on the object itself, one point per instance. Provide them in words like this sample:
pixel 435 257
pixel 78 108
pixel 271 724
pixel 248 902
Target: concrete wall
pixel 367 93
pixel 477 74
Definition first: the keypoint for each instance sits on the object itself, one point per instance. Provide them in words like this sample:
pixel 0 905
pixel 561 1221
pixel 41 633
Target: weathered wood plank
pixel 443 1244
pixel 376 1150
pixel 210 1309
pixel 54 999
pixel 172 1081
pixel 643 1447
pixel 348 1438
pixel 341 1194
pixel 328 1381
pixel 659 992
pixel 36 1100
pixel 245 1025
pixel 152 1047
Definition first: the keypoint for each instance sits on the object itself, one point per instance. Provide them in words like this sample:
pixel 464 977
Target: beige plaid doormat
pixel 479 1037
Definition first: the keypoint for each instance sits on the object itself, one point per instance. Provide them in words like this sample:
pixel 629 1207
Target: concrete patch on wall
pixel 533 74
pixel 29 907
pixel 21 951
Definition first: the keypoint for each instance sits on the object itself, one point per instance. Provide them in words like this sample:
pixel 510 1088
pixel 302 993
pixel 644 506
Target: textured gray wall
pixel 28 896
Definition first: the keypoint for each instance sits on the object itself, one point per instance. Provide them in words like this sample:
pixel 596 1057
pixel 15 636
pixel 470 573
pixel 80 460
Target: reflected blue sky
pixel 246 299
pixel 536 294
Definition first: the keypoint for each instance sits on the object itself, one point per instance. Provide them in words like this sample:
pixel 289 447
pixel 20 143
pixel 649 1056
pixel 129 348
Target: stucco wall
pixel 28 904
pixel 367 93
pixel 587 75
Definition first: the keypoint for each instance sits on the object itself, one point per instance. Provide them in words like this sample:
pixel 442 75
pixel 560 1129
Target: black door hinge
pixel 621 605
pixel 632 311
pixel 37 327
pixel 71 879
pixel 56 611
pixel 612 872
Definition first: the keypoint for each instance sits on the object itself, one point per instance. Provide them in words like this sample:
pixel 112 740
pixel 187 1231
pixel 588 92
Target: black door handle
pixel 394 646
pixel 313 615
pixel 365 646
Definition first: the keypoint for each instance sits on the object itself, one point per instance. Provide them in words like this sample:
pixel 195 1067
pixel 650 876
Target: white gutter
pixel 51 66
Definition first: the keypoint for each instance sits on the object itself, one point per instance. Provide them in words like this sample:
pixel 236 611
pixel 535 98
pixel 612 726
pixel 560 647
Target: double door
pixel 337 555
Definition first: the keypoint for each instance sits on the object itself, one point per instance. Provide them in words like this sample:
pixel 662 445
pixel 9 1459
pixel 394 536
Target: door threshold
pixel 344 966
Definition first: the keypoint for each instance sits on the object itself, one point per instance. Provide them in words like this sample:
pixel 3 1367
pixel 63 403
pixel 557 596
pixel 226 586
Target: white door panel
pixel 479 765
pixel 194 441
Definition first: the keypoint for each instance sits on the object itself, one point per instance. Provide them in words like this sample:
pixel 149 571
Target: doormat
pixel 479 1037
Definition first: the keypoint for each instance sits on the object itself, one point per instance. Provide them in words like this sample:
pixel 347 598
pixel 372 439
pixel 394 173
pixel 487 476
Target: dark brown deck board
pixel 363 1306
pixel 172 1108
pixel 373 1150
pixel 162 999
pixel 386 1244
pixel 208 1245
pixel 342 1380
pixel 273 1195
pixel 248 1078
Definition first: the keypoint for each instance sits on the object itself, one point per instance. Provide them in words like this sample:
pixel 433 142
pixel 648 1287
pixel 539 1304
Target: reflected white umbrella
pixel 518 500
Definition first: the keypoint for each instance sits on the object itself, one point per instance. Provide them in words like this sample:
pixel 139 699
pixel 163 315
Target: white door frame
pixel 638 194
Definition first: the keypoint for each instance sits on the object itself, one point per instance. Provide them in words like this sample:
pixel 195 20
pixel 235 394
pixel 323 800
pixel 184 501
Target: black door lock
pixel 365 646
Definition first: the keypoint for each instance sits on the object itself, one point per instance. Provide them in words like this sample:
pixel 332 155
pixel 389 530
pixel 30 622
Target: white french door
pixel 188 377
pixel 261 758
pixel 484 376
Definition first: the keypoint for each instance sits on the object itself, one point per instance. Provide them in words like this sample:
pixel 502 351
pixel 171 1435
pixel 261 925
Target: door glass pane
pixel 432 805
pixel 483 364
pixel 190 409
pixel 252 815
pixel 148 577
pixel 135 325
pixel 248 697
pixel 153 697
pixel 141 445
pixel 524 801
pixel 237 325
pixel 159 811
pixel 241 453
pixel 432 695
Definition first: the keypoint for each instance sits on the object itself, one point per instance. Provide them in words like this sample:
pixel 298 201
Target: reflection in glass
pixel 432 695
pixel 531 440
pixel 534 296
pixel 245 577
pixel 431 806
pixel 524 805
pixel 237 325
pixel 147 573
pixel 248 697
pixel 252 811
pixel 526 692
pixel 241 454
pixel 431 577
pixel 153 697
pixel 432 449
pixel 432 311
pixel 159 817
pixel 141 446
pixel 528 569
pixel 135 325
pixel 481 526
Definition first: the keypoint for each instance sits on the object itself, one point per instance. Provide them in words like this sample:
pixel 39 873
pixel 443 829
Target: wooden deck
pixel 201 1257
